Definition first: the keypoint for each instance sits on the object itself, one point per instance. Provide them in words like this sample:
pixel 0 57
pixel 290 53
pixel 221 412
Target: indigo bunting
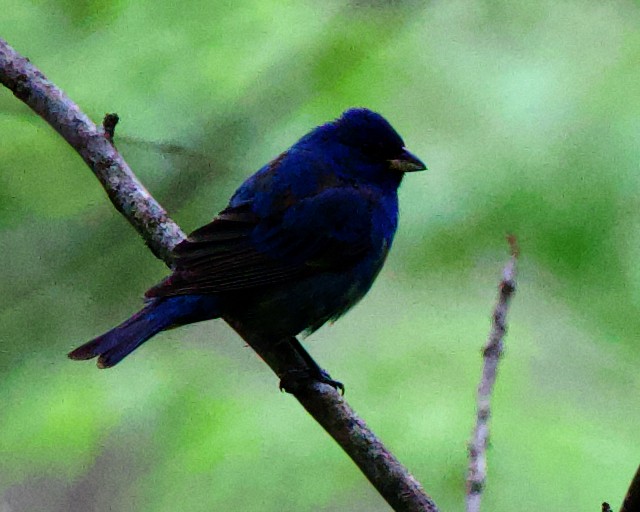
pixel 300 242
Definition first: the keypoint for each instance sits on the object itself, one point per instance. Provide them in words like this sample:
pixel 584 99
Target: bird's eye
pixel 374 148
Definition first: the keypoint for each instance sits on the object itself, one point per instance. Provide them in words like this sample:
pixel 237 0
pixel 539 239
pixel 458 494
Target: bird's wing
pixel 239 250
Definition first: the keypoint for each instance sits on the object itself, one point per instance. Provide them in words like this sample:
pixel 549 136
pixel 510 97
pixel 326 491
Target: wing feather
pixel 239 251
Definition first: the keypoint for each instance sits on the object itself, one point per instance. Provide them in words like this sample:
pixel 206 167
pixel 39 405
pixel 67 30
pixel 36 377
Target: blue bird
pixel 300 243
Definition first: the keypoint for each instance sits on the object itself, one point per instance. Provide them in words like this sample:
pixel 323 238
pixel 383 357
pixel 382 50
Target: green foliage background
pixel 527 114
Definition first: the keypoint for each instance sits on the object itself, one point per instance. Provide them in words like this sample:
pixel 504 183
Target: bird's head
pixel 371 137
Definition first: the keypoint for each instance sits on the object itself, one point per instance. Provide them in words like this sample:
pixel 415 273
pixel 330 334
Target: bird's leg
pixel 292 379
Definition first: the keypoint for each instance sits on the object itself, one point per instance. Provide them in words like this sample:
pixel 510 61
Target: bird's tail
pixel 158 315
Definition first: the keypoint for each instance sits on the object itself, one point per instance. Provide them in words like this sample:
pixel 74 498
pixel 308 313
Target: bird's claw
pixel 293 380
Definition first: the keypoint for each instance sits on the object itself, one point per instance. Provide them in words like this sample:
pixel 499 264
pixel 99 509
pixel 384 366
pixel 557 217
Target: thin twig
pixel 109 125
pixel 631 501
pixel 389 477
pixel 477 474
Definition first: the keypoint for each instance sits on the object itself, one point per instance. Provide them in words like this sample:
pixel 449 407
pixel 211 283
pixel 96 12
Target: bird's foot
pixel 294 380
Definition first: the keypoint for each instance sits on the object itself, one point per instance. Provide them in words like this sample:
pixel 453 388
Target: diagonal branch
pixel 127 194
pixel 477 474
pixel 396 485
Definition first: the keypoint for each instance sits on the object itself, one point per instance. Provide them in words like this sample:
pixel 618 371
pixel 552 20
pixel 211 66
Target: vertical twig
pixel 477 474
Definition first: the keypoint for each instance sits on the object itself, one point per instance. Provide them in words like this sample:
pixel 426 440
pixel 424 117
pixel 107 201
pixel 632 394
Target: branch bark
pixel 94 144
pixel 492 352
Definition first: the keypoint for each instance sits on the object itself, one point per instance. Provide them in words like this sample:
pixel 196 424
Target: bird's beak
pixel 407 162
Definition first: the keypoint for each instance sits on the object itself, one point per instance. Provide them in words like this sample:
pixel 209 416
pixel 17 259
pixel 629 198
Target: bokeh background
pixel 527 114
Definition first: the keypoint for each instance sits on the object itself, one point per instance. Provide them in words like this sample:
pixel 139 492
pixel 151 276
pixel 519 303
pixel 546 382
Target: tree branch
pixel 477 473
pixel 127 194
pixel 161 234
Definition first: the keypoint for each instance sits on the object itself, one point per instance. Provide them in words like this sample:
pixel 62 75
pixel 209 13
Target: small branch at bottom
pixel 632 499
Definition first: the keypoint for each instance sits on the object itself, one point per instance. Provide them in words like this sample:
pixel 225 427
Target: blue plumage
pixel 300 242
